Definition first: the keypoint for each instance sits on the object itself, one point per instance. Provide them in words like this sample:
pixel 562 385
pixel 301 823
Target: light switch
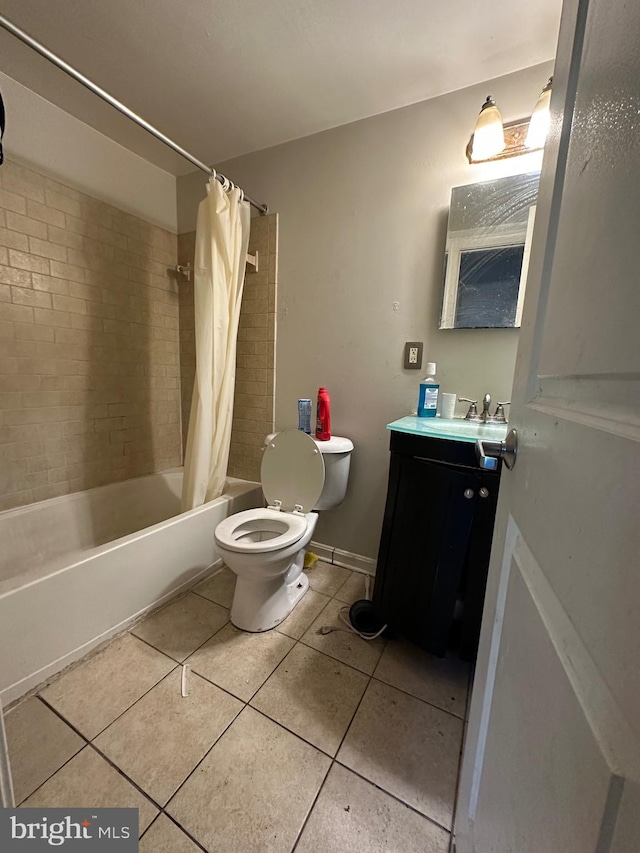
pixel 413 355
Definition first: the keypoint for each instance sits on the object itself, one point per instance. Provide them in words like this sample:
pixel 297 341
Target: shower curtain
pixel 222 239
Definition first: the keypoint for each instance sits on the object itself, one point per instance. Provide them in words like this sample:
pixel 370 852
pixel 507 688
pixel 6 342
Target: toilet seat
pixel 260 530
pixel 292 471
pixel 292 475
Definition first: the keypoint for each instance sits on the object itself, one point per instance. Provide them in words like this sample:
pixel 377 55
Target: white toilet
pixel 265 547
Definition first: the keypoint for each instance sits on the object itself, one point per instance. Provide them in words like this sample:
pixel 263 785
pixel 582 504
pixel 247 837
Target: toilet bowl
pixel 265 547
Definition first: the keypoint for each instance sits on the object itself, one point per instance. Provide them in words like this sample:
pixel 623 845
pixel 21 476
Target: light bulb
pixel 488 136
pixel 540 119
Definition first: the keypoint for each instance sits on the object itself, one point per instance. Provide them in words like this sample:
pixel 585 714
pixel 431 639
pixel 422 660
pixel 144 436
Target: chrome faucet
pixel 472 414
pixel 499 416
pixel 485 416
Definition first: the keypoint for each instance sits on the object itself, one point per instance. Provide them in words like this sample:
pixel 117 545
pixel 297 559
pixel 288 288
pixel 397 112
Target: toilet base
pixel 261 605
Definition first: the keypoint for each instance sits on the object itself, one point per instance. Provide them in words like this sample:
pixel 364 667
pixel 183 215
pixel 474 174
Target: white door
pixel 552 756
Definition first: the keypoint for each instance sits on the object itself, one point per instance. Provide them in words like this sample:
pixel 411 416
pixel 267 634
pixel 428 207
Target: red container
pixel 323 416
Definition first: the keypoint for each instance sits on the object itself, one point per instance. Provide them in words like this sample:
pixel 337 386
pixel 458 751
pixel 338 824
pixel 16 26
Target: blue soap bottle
pixel 429 390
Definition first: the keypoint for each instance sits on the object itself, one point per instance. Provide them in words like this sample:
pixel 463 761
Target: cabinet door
pixel 424 540
pixel 476 567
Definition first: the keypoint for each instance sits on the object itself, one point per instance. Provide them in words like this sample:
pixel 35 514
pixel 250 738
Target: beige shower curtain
pixel 222 239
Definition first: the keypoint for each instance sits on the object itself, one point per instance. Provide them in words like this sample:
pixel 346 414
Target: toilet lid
pixel 292 471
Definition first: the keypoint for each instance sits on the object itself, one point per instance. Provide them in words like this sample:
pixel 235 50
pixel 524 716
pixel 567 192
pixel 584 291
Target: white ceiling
pixel 227 77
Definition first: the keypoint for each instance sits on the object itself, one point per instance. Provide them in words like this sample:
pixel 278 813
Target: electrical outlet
pixel 413 355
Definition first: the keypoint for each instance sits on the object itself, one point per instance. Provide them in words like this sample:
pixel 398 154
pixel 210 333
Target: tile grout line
pixel 313 805
pixel 182 662
pixel 317 616
pixel 393 796
pixel 191 772
pixel 282 725
pixel 275 722
pixel 419 698
pixel 185 831
pixel 64 764
pixel 333 761
pixel 200 595
pixel 88 743
pixel 99 751
pixel 119 770
pixel 135 702
pixel 150 825
pixel 162 808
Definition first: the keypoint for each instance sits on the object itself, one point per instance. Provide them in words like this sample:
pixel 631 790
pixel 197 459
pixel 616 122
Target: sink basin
pixel 451 429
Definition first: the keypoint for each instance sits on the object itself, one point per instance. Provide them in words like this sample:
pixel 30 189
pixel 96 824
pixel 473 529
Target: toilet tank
pixel 336 453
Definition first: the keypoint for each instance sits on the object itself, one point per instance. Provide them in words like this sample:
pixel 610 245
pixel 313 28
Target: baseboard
pixel 323 552
pixel 36 680
pixel 346 559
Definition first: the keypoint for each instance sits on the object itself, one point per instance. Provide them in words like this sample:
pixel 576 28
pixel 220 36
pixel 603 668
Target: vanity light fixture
pixel 488 136
pixel 491 140
pixel 540 119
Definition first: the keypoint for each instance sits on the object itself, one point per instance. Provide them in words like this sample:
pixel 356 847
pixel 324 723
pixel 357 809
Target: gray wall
pixel 363 212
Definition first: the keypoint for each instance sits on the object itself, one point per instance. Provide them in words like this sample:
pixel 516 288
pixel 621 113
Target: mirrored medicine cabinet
pixel 487 252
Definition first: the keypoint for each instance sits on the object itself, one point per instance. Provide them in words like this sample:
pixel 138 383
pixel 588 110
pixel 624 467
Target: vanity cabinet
pixel 435 543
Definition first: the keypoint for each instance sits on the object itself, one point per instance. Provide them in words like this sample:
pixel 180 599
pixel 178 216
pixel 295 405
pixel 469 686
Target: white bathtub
pixel 76 570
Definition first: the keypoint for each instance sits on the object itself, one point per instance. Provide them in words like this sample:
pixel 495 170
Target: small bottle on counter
pixel 323 415
pixel 304 415
pixel 428 397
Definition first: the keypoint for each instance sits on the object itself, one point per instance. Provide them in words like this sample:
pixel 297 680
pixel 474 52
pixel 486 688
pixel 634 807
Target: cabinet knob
pixel 484 492
pixel 469 493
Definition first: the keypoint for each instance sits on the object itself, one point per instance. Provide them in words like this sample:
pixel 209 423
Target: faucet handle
pixel 499 416
pixel 472 414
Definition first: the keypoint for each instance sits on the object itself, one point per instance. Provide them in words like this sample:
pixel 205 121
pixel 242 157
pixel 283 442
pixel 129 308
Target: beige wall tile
pixel 19 277
pixel 11 201
pixel 14 240
pixel 22 181
pixel 28 296
pixel 52 285
pixel 89 347
pixel 30 227
pixel 26 261
pixel 47 249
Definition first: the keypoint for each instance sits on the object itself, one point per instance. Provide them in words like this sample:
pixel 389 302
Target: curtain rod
pixel 6 24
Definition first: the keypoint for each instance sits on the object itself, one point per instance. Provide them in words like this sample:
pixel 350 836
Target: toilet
pixel 265 547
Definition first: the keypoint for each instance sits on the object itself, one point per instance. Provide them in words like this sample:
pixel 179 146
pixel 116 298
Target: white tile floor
pixel 289 740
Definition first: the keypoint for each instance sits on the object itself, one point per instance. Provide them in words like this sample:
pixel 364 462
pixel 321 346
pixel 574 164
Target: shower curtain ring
pixel 214 175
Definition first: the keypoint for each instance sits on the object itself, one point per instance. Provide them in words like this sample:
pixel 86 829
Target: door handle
pixel 488 452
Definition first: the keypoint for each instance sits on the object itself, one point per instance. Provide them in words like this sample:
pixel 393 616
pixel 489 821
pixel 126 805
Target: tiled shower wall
pixel 253 412
pixel 89 349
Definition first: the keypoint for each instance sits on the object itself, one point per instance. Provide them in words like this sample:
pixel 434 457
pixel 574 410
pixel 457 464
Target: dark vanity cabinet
pixel 436 542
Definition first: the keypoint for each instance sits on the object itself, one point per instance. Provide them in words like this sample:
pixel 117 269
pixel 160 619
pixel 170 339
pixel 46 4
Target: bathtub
pixel 78 569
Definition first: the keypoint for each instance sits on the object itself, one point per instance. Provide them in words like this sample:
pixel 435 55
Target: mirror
pixel 487 253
